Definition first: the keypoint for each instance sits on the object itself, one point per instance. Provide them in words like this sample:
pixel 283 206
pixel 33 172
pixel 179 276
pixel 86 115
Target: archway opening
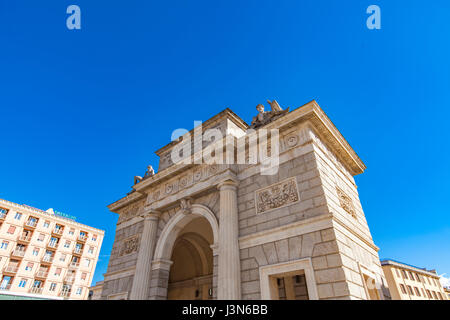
pixel 191 274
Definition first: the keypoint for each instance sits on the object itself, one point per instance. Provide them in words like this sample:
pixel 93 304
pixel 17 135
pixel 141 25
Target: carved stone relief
pixel 277 195
pixel 130 245
pixel 346 202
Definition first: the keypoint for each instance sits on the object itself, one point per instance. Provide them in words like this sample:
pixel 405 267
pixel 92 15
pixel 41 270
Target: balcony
pixel 36 290
pixel 5 287
pixel 10 269
pixel 52 245
pixel 57 231
pixel 69 279
pixel 31 224
pixel 82 237
pixel 65 293
pixel 25 238
pixel 18 253
pixel 47 259
pixel 74 265
pixel 78 251
pixel 41 274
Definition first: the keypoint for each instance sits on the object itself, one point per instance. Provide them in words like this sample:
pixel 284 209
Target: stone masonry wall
pixel 320 245
pixel 312 200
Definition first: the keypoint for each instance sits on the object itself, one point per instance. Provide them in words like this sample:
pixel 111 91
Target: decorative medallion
pixel 291 140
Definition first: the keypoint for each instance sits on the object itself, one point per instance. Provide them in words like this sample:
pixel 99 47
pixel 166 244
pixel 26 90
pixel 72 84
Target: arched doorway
pixel 184 258
pixel 191 274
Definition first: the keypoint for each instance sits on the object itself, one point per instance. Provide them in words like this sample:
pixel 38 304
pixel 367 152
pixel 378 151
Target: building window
pixel 52 286
pixel 405 276
pixel 58 272
pixel 94 237
pixel 29 266
pixel 79 290
pixel 35 251
pixel 417 277
pixel 417 291
pixel 11 230
pixel 41 237
pixel 434 295
pixel 411 275
pixel 71 231
pixel 67 244
pixel 429 294
pixel 46 224
pixel 3 213
pixel 87 262
pixel 91 250
pixel 22 283
pixel 410 290
pixel 83 276
pixel 18 216
pixel 403 289
pixel 440 296
pixel 62 258
pixel 398 273
pixel 4 245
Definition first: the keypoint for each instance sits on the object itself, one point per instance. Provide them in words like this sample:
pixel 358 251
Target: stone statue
pixel 137 179
pixel 264 117
pixel 150 172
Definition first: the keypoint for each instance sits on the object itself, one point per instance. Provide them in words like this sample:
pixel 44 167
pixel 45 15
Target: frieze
pixel 129 212
pixel 277 195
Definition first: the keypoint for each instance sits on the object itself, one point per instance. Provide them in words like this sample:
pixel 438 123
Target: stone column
pixel 229 268
pixel 142 275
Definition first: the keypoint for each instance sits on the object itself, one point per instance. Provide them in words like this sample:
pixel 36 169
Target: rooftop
pixel 393 262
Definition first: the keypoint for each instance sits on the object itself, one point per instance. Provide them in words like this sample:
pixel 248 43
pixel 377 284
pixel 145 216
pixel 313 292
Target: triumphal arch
pixel 268 210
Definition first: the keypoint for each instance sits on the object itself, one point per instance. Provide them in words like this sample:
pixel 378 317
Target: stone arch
pixel 171 230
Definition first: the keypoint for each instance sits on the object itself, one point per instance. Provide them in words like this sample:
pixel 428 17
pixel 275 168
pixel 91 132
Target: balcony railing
pixel 11 269
pixel 24 237
pixel 5 287
pixel 65 293
pixel 69 279
pixel 48 259
pixel 58 231
pixel 18 253
pixel 82 237
pixel 36 290
pixel 30 223
pixel 52 244
pixel 41 274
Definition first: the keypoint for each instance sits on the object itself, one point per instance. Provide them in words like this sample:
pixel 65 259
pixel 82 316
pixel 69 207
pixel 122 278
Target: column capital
pixel 150 213
pixel 161 264
pixel 227 184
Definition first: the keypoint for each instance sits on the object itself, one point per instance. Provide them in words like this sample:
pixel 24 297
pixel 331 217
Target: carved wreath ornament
pixel 277 196
pixel 130 245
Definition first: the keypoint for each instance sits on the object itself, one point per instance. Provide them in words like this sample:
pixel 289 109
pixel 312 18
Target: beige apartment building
pixel 407 282
pixel 45 255
pixel 235 231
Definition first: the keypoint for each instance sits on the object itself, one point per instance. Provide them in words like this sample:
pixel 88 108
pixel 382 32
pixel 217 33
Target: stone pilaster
pixel 229 266
pixel 142 276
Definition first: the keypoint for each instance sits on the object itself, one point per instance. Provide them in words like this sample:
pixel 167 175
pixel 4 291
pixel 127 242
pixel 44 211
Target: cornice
pixel 62 220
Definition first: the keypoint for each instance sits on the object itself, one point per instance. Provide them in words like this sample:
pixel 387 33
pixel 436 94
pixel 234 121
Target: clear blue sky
pixel 83 111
